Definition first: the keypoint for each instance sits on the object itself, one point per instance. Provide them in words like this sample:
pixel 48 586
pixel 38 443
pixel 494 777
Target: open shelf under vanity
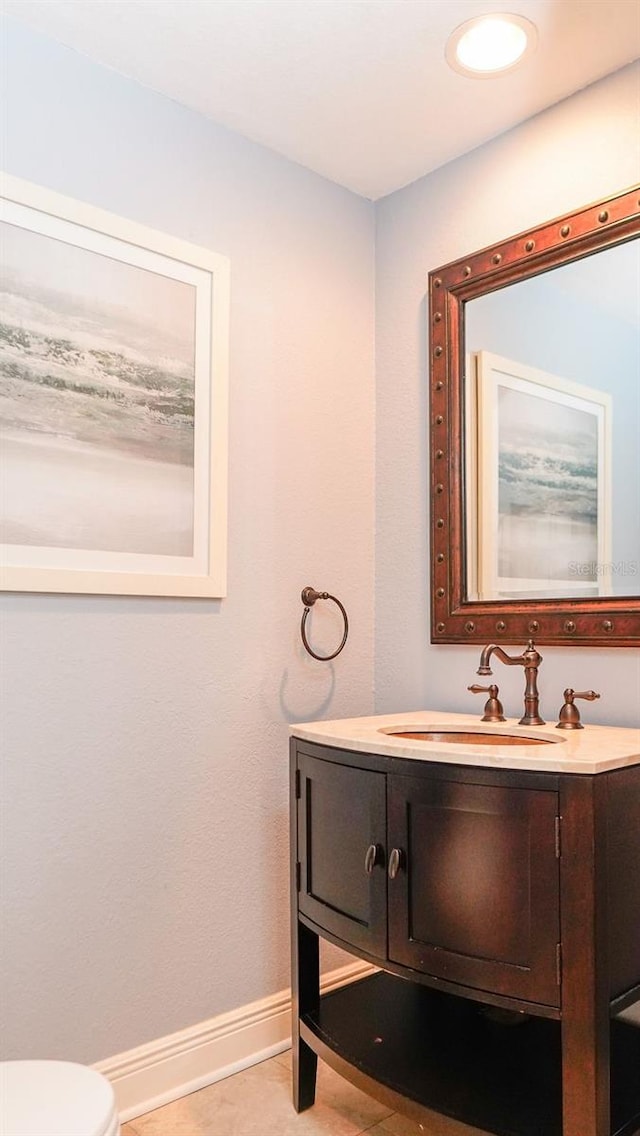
pixel 474 1063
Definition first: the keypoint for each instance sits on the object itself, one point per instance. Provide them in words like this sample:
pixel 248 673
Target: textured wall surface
pixel 574 153
pixel 144 778
pixel 145 781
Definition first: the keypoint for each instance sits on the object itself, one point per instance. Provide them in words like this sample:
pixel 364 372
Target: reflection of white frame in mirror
pixel 502 556
pixel 471 478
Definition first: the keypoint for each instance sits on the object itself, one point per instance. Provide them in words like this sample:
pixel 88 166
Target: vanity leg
pixel 585 989
pixel 305 1064
pixel 305 965
pixel 305 987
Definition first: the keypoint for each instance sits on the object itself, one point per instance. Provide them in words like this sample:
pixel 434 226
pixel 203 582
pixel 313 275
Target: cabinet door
pixel 341 816
pixel 476 897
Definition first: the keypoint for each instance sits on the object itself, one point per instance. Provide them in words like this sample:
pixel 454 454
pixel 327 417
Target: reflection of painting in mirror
pixel 579 321
pixel 543 471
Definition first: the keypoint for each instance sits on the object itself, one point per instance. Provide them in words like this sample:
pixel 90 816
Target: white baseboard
pixel 171 1067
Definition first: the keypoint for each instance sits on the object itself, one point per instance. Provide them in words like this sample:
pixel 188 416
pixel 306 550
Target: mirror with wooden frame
pixel 535 434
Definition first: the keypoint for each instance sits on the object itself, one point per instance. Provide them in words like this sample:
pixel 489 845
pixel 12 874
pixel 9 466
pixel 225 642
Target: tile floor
pixel 257 1102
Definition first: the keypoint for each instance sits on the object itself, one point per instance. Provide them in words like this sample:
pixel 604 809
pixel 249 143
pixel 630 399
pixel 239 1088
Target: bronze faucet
pixel 530 660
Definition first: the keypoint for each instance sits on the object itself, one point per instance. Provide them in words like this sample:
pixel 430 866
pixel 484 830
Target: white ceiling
pixel 357 90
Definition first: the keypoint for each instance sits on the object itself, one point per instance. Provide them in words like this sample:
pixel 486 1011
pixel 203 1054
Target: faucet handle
pixel 493 711
pixel 569 714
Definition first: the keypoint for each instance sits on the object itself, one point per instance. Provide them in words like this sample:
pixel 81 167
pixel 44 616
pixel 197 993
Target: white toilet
pixel 55 1098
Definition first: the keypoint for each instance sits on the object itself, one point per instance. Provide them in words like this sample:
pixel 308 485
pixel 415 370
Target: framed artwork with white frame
pixel 541 454
pixel 113 403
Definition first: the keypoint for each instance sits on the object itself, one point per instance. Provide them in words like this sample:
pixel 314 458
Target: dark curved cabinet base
pixel 554 900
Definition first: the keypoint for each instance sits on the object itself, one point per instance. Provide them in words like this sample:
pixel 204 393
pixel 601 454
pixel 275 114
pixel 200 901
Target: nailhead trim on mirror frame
pixel 604 621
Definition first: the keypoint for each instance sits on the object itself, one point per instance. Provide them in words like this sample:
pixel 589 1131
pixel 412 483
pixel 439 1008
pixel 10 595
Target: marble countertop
pixel 595 749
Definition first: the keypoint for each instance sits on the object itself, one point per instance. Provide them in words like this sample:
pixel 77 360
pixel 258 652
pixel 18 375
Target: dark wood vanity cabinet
pixel 504 910
pixel 473 897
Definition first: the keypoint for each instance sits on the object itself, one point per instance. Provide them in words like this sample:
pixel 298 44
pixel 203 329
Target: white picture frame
pixel 114 383
pixel 541 495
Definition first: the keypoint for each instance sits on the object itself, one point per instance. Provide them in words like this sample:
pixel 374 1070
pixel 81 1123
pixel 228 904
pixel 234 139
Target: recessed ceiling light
pixel 490 45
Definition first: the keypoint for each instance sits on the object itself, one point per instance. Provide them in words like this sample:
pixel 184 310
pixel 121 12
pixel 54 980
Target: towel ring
pixel 309 597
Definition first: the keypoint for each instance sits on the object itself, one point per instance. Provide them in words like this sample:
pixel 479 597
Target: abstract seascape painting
pixel 113 359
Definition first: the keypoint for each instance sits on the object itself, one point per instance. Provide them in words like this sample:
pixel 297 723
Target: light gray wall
pixel 145 791
pixel 576 152
pixel 144 841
